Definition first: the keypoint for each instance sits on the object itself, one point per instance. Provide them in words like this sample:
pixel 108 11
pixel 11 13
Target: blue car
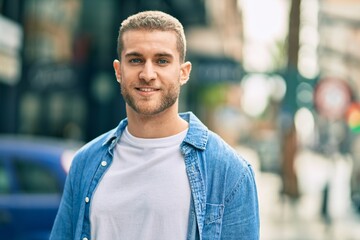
pixel 32 176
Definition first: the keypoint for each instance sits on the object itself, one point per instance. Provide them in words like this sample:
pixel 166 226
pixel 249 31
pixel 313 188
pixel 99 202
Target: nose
pixel 148 72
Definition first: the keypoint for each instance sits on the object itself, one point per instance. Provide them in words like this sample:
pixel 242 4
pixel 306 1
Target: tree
pixel 289 137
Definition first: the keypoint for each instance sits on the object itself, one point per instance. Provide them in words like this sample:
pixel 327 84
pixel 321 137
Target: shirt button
pixel 87 199
pixel 85 238
pixel 103 163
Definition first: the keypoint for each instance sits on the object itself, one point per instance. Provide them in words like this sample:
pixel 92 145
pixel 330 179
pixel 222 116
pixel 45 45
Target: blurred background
pixel 279 80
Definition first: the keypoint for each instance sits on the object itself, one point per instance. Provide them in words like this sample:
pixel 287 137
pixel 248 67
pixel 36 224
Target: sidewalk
pixel 282 219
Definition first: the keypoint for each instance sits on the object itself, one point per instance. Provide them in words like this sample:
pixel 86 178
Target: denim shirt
pixel 224 203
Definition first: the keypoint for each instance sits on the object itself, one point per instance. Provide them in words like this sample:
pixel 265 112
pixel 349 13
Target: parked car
pixel 32 176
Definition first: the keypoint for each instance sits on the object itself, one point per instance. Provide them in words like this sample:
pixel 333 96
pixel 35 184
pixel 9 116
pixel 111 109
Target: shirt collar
pixel 196 136
pixel 198 133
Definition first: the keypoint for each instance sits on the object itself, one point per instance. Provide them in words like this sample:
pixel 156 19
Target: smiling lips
pixel 146 90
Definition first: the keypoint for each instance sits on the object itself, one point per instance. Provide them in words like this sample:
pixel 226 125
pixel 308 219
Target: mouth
pixel 146 91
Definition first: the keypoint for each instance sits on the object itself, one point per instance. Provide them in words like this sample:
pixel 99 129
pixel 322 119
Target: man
pixel 160 174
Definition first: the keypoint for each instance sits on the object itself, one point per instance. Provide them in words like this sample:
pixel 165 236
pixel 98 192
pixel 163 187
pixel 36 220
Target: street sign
pixel 332 96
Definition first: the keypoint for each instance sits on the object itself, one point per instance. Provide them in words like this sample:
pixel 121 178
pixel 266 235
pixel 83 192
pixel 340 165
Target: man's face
pixel 150 72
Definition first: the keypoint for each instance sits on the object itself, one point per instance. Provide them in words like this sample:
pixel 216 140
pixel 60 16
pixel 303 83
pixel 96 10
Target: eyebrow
pixel 133 54
pixel 136 54
pixel 168 55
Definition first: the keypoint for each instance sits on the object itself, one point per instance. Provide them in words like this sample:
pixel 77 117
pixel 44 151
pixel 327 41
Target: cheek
pixel 127 77
pixel 174 75
pixel 127 72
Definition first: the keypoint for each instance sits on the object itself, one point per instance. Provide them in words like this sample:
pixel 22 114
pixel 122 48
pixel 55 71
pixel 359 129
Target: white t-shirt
pixel 145 193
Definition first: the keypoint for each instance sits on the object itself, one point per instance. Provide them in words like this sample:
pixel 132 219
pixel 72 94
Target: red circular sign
pixel 332 97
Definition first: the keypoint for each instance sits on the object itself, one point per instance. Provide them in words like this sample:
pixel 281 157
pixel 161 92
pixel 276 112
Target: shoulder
pixel 93 150
pixel 217 157
pixel 223 160
pixel 218 150
pixel 95 144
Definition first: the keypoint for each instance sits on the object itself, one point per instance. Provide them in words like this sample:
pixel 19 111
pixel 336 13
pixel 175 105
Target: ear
pixel 116 65
pixel 185 72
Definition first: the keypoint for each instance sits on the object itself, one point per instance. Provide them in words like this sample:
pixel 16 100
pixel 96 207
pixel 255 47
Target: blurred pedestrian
pixel 159 174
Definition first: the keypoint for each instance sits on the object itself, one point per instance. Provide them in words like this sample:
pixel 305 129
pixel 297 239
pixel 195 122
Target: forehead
pixel 145 41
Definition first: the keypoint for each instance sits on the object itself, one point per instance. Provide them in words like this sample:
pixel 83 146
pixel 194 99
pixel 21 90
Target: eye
pixel 135 60
pixel 163 61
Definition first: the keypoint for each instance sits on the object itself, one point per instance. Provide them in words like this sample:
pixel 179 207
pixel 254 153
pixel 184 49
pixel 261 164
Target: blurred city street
pixel 277 79
pixel 285 219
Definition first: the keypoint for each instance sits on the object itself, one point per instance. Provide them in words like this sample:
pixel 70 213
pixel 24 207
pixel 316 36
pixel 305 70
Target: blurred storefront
pixel 11 45
pixel 339 47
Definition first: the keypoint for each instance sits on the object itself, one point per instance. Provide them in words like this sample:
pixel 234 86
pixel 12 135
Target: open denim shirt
pixel 224 203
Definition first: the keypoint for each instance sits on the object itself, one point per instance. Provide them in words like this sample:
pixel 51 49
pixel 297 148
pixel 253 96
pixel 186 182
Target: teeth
pixel 146 89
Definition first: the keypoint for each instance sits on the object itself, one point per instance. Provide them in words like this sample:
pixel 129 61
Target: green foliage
pixel 213 95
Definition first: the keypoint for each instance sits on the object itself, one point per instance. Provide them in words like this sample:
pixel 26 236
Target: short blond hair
pixel 154 20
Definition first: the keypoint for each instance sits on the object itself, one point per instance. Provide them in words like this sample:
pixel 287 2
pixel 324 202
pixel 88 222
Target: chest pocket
pixel 213 221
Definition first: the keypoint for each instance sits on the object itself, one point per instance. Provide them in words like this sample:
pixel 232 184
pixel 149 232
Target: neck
pixel 164 124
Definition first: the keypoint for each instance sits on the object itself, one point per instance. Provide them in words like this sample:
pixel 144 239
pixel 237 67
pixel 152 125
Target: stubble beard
pixel 147 106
